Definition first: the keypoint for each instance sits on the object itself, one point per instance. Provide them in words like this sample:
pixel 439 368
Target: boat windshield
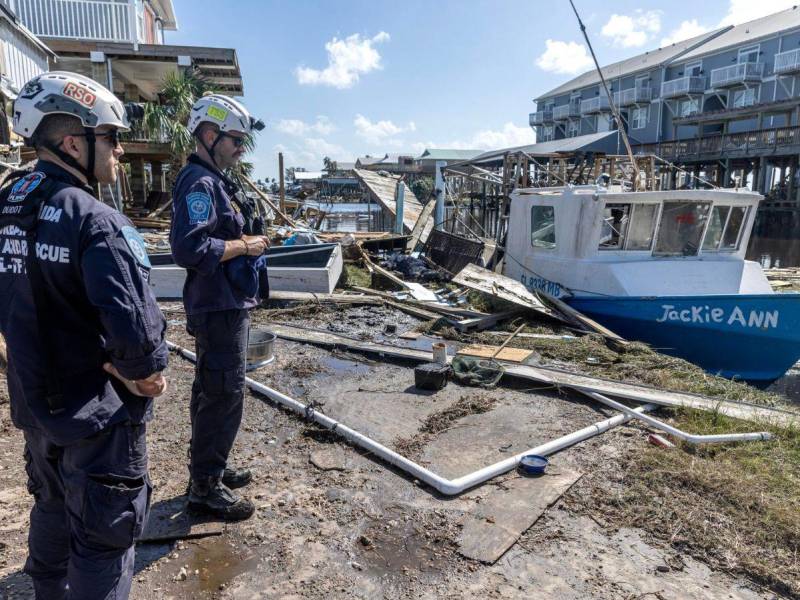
pixel 628 226
pixel 681 230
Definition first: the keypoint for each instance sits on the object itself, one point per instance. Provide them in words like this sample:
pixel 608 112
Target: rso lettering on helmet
pixel 80 94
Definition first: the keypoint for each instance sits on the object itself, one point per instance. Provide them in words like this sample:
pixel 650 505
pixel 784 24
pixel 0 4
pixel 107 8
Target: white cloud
pixel 565 58
pixel 296 127
pixel 510 135
pixel 740 11
pixel 684 31
pixel 632 31
pixel 347 60
pixel 310 152
pixel 380 132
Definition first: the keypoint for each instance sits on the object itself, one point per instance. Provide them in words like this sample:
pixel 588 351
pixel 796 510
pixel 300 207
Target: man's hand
pixel 256 244
pixel 151 387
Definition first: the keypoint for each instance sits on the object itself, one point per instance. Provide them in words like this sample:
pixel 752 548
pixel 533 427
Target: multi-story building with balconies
pixel 120 43
pixel 725 103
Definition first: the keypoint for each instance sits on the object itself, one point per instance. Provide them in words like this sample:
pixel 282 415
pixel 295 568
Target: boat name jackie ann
pixel 705 314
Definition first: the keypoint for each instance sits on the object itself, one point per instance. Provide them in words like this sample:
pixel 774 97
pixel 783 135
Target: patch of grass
pixel 637 363
pixel 354 275
pixel 735 506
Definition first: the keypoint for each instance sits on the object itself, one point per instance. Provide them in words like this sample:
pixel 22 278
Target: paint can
pixel 439 353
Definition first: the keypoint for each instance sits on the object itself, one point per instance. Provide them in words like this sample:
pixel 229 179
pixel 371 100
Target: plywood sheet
pixel 515 355
pixel 497 523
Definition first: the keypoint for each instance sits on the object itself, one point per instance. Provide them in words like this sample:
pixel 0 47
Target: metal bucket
pixel 260 348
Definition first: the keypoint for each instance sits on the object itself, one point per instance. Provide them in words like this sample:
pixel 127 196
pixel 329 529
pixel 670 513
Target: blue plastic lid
pixel 533 464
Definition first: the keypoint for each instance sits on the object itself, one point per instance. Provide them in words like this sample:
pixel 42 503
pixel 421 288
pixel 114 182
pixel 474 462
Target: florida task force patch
pixel 25 186
pixel 199 207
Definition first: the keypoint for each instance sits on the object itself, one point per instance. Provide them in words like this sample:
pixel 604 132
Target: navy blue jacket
pixel 95 268
pixel 203 218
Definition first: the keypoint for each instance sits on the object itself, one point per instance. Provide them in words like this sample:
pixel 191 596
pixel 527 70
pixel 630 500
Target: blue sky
pixel 349 78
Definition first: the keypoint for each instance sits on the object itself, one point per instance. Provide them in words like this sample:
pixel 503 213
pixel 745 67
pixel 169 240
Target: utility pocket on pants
pixel 115 509
pixel 222 373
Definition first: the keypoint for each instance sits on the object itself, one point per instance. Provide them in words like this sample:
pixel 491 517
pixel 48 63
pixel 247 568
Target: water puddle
pixel 212 564
pixel 788 386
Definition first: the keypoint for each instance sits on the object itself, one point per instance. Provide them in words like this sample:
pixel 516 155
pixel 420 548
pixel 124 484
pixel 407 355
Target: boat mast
pixel 611 103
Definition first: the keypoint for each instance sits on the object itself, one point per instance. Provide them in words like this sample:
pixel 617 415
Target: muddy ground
pixel 334 522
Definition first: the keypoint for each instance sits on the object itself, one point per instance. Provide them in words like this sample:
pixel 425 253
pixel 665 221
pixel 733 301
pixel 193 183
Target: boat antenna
pixel 611 103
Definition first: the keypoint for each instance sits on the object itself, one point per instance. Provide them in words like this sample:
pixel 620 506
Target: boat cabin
pixel 594 241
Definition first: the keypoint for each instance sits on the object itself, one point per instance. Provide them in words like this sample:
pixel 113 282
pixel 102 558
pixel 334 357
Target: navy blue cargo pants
pixel 218 389
pixel 91 503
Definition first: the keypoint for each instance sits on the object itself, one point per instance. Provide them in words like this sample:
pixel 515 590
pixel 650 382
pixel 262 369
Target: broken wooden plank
pixel 485 322
pixel 582 320
pixel 373 267
pixel 560 379
pixel 420 313
pixel 287 296
pixel 169 521
pixel 515 355
pixel 498 522
pixel 420 232
pixel 443 309
pixel 502 287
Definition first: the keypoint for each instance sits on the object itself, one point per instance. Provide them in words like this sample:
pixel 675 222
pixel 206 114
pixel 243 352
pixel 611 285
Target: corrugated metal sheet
pixel 22 59
pixel 605 141
pixel 629 66
pixel 448 154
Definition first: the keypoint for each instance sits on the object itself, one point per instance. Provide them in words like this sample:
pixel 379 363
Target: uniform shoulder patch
pixel 199 207
pixel 135 242
pixel 25 186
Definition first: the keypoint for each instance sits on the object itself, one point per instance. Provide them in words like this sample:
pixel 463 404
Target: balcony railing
pixel 683 86
pixel 562 113
pixel 748 72
pixel 100 20
pixel 742 143
pixel 138 133
pixel 540 117
pixel 787 62
pixel 635 95
pixel 595 105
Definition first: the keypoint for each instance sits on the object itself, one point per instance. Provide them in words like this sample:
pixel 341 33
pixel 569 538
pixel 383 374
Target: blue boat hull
pixel 750 337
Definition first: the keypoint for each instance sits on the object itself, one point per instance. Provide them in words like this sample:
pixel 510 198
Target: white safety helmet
pixel 60 92
pixel 224 112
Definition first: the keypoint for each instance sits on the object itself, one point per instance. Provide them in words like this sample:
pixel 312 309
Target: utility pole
pixel 282 186
pixel 438 214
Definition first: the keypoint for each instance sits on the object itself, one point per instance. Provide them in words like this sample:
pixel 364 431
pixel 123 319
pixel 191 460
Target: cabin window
pixel 642 229
pixel 733 231
pixel 715 227
pixel 615 225
pixel 543 227
pixel 681 230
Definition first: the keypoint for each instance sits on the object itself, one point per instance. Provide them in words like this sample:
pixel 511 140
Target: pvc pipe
pixel 448 487
pixel 688 437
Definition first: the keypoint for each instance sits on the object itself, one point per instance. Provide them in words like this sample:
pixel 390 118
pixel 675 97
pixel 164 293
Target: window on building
pixel 574 128
pixel 690 106
pixel 603 122
pixel 615 226
pixel 693 69
pixel 639 117
pixel 548 133
pixel 744 97
pixel 642 227
pixel 749 54
pixel 543 227
pixel 681 229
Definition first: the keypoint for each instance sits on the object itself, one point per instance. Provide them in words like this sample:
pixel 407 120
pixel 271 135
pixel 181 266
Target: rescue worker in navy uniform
pixel 209 233
pixel 85 341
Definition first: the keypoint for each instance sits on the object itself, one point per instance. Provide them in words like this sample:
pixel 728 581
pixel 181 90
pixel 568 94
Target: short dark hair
pixel 54 128
pixel 205 126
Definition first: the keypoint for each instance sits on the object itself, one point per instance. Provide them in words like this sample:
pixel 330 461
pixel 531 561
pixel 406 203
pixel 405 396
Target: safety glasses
pixel 235 140
pixel 111 136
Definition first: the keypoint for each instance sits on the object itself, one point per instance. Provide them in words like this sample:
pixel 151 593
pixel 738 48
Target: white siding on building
pixel 21 58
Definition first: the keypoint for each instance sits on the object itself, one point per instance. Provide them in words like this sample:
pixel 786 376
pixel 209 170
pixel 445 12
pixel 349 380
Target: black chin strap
pixel 88 171
pixel 210 151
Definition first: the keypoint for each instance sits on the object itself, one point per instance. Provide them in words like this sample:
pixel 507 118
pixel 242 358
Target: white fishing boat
pixel 664 267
